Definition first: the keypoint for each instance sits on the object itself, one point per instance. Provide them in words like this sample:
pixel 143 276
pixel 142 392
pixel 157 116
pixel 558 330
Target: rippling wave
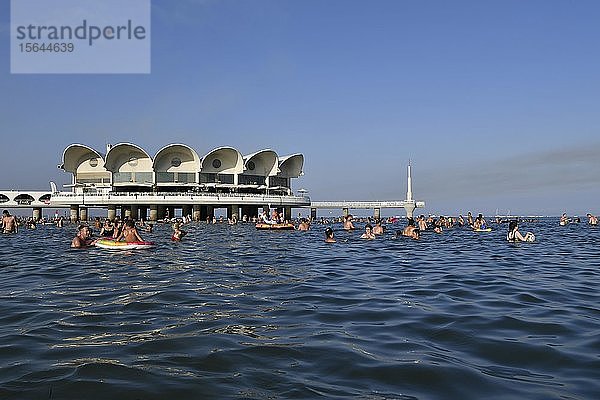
pixel 231 312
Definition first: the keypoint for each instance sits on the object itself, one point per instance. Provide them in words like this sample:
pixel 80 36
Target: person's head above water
pixel 5 212
pixel 512 225
pixel 328 232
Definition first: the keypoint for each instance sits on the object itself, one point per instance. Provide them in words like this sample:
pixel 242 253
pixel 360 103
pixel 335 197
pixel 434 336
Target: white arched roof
pixel 128 154
pixel 75 154
pixel 291 166
pixel 230 161
pixel 176 157
pixel 262 163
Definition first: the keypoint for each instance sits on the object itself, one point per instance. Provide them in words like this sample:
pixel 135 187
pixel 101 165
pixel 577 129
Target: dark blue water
pixel 235 313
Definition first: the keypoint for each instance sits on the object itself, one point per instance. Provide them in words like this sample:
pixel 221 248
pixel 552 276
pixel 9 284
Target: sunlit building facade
pixel 178 173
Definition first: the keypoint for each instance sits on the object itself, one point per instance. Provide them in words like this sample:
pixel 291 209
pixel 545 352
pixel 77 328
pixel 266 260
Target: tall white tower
pixel 409 186
pixel 409 203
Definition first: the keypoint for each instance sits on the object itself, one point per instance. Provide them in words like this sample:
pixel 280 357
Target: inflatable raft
pixel 114 245
pixel 483 230
pixel 276 227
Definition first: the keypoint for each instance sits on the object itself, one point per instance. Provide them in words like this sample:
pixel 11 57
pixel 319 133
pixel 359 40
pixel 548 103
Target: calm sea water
pixel 235 313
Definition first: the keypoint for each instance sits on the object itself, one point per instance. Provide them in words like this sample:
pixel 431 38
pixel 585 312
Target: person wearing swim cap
pixel 329 236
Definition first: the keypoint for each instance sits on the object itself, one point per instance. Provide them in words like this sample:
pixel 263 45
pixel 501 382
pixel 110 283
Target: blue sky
pixel 495 102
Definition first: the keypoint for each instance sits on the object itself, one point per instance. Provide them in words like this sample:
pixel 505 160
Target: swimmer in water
pixel 480 222
pixel 304 225
pixel 130 233
pixel 9 223
pixel 422 223
pixel 82 239
pixel 415 234
pixel 178 234
pixel 378 229
pixel 408 231
pixel 564 220
pixel 514 235
pixel 329 237
pixel 592 219
pixel 348 225
pixel 368 233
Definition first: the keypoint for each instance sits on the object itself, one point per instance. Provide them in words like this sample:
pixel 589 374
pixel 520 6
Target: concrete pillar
pixel 313 213
pixel 126 212
pixel 135 212
pixel 37 213
pixel 171 211
pixel 153 213
pixel 377 213
pixel 345 212
pixel 74 212
pixel 162 212
pixel 233 210
pixel 186 210
pixel 111 213
pixel 210 211
pixel 249 211
pixel 83 213
pixel 196 212
pixel 143 212
pixel 287 213
pixel 410 208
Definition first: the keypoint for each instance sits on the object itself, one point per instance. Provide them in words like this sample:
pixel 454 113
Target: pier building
pixel 128 179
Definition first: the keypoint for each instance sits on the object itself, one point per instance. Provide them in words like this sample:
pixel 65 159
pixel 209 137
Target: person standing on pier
pixel 9 223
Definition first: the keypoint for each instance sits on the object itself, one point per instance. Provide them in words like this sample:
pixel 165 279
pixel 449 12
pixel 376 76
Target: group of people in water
pixel 128 231
pixel 125 231
pixel 565 220
pixel 414 227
